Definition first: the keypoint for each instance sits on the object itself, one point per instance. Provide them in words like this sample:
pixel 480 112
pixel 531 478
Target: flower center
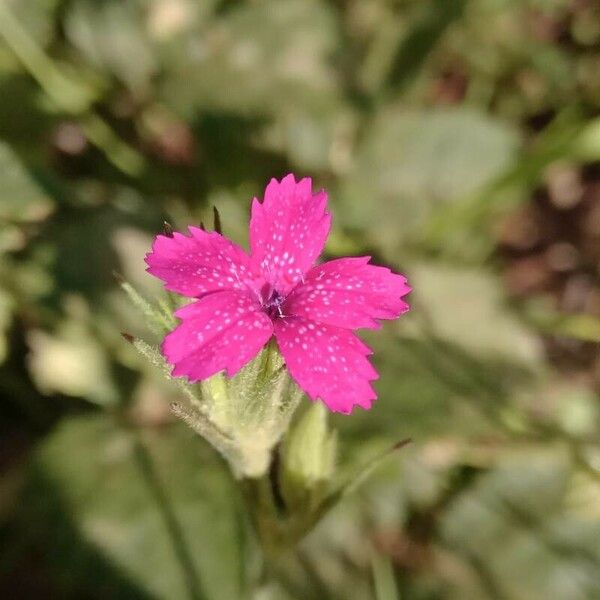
pixel 273 303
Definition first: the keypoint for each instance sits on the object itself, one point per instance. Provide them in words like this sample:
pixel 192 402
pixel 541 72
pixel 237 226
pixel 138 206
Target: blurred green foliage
pixel 429 122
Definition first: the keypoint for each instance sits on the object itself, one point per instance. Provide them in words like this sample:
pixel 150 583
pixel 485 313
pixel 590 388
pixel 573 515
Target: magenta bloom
pixel 242 300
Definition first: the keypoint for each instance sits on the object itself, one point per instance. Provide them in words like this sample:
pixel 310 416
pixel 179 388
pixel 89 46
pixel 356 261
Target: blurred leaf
pixel 131 245
pixel 510 524
pixel 108 34
pixel 62 87
pixel 587 146
pixel 258 58
pixel 412 163
pixel 22 119
pixel 464 228
pixel 466 306
pixel 582 327
pixel 435 18
pixel 72 363
pixel 158 315
pixel 150 507
pixel 577 410
pixel 88 229
pixel 36 17
pixel 455 362
pixel 430 387
pixel 171 19
pixel 6 310
pixel 313 140
pixel 22 198
pixel 383 577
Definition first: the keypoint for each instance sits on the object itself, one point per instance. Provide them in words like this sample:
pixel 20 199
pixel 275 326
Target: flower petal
pixel 201 263
pixel 327 362
pixel 288 231
pixel 221 331
pixel 349 292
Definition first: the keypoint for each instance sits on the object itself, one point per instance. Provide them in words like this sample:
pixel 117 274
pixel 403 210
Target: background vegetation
pixel 460 143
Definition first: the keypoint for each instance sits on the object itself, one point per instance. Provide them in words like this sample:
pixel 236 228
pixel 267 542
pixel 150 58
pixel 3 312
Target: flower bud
pixel 309 455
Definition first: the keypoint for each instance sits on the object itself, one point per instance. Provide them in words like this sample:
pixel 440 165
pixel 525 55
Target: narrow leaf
pixel 383 577
pixel 160 320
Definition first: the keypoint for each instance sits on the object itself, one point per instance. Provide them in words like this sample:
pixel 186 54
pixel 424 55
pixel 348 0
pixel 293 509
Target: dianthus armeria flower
pixel 242 300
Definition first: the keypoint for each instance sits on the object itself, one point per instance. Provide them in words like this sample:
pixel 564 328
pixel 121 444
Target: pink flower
pixel 242 300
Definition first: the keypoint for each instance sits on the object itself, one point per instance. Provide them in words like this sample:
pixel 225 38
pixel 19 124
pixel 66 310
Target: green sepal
pixel 159 317
pixel 244 417
pixel 308 460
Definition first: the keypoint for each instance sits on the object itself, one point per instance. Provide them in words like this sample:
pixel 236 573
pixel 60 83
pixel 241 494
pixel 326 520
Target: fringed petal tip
pixel 288 231
pixel 328 363
pixel 200 263
pixel 349 293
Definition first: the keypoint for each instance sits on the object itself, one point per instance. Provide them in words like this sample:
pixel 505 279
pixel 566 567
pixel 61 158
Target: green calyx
pixel 243 417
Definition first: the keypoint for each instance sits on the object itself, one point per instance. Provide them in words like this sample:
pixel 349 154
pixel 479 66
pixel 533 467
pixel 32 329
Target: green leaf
pixel 587 145
pixel 383 578
pixel 156 511
pixel 158 317
pixel 72 362
pixel 263 57
pixel 513 527
pixel 412 163
pixel 36 17
pixel 351 480
pixel 454 364
pixel 109 35
pixel 7 305
pixel 430 25
pixel 584 327
pixel 466 306
pixel 23 199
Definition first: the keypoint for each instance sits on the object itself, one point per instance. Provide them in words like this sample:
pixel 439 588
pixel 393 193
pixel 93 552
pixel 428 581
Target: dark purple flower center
pixel 272 302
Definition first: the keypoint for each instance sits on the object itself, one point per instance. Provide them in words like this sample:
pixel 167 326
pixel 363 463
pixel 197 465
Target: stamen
pixel 273 305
